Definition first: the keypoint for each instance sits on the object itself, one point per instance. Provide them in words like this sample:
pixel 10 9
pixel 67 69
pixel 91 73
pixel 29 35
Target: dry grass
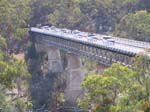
pixel 19 56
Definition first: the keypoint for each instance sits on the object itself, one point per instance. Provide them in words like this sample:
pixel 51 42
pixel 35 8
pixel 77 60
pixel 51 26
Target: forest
pixel 27 86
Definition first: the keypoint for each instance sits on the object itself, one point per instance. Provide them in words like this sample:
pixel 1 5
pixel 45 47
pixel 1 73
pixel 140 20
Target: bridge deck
pixel 115 43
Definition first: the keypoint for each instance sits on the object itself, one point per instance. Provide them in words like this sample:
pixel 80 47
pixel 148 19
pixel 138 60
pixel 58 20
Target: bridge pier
pixel 54 60
pixel 101 68
pixel 40 47
pixel 74 77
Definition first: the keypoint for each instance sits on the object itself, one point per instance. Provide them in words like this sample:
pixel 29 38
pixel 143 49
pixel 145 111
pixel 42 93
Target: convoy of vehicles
pixel 82 35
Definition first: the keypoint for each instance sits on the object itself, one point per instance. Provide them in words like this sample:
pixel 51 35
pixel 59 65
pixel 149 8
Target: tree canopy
pixel 117 89
pixel 135 26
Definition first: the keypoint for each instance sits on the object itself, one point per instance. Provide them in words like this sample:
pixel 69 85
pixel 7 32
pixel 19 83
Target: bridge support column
pixel 74 77
pixel 54 60
pixel 40 48
pixel 100 68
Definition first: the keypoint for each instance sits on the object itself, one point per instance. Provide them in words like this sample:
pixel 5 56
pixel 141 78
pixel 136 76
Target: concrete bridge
pixel 103 49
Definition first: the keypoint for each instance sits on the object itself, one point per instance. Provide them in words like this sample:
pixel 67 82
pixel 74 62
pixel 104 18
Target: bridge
pixel 103 49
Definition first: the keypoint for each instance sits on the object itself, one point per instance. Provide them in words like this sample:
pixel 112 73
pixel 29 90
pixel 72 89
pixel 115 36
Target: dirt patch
pixel 19 56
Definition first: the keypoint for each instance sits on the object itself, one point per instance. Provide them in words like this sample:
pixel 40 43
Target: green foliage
pixel 2 47
pixel 90 67
pixel 115 90
pixel 98 88
pixel 5 106
pixel 69 10
pixel 143 72
pixel 13 21
pixel 135 26
pixel 22 105
pixel 144 4
pixel 2 42
pixel 9 71
pixel 59 98
pixel 1 55
pixel 20 32
pixel 122 73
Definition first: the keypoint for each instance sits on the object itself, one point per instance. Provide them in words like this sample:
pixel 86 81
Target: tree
pixel 22 105
pixel 65 13
pixel 13 22
pixel 135 26
pixel 142 69
pixel 2 47
pixel 143 5
pixel 5 106
pixel 115 90
pixel 10 70
pixel 99 89
pixel 105 14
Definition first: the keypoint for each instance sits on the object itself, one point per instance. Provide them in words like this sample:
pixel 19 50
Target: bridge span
pixel 103 49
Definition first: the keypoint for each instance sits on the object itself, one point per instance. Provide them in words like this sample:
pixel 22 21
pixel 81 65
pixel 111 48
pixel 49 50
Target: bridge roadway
pixel 126 47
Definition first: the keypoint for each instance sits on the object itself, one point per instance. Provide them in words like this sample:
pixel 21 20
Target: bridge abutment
pixel 74 78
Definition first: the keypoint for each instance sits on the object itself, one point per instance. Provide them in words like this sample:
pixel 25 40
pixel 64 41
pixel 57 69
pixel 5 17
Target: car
pixel 90 38
pixel 45 27
pixel 75 31
pixel 91 35
pixel 107 37
pixel 64 30
pixel 109 40
pixel 82 34
pixel 53 27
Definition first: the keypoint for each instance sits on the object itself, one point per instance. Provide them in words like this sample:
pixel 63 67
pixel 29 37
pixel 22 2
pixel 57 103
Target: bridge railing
pixel 133 42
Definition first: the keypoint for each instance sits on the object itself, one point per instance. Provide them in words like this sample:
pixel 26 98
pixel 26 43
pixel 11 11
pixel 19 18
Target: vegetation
pixel 118 89
pixel 11 70
pixel 136 26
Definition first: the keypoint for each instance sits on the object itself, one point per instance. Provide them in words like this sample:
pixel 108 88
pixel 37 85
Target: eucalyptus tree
pixel 14 15
pixel 135 26
pixel 119 88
